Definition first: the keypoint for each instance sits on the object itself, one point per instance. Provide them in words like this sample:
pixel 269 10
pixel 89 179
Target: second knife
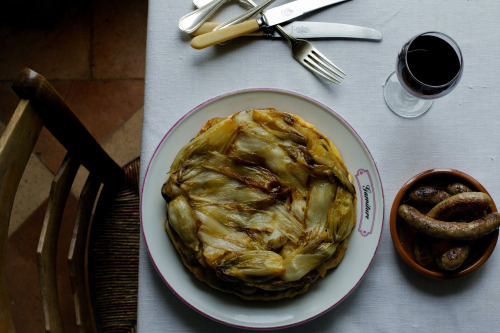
pixel 308 30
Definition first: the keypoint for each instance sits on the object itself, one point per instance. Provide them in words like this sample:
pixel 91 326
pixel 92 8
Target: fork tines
pixel 305 53
pixel 321 65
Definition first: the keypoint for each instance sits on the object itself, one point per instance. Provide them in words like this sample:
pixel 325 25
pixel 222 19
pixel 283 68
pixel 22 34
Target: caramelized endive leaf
pixel 215 187
pixel 252 175
pixel 181 218
pixel 321 196
pixel 287 223
pixel 313 251
pixel 215 234
pixel 243 218
pixel 299 264
pixel 251 266
pixel 320 149
pixel 342 215
pixel 279 124
pixel 298 205
pixel 215 138
pixel 275 159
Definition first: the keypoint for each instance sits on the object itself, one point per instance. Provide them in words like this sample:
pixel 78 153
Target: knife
pixel 308 30
pixel 270 17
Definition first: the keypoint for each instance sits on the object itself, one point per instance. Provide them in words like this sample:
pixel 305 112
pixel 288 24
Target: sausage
pixel 428 195
pixel 449 230
pixel 454 257
pixel 460 204
pixel 455 188
pixel 423 251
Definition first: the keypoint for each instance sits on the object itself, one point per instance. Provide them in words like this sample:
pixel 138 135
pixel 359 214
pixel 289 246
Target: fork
pixel 307 55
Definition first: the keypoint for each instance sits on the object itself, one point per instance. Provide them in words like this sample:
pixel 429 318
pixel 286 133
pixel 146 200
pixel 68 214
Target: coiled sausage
pixel 449 230
pixel 428 195
pixel 460 204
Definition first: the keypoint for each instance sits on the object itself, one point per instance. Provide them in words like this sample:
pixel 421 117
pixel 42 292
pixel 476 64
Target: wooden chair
pixel 103 256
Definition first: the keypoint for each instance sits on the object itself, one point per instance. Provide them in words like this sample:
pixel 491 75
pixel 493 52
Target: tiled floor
pixel 93 52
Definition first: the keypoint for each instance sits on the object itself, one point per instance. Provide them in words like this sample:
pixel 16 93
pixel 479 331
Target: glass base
pixel 402 102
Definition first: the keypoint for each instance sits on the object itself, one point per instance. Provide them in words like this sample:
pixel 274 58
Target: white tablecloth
pixel 461 131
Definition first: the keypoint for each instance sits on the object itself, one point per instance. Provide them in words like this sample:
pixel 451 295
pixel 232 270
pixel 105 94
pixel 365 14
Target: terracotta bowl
pixel 404 236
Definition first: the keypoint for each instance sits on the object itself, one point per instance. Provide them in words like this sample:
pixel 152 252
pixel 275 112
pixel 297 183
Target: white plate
pixel 323 295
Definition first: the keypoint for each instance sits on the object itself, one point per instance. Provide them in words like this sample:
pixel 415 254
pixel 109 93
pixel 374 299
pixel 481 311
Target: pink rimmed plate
pixel 323 295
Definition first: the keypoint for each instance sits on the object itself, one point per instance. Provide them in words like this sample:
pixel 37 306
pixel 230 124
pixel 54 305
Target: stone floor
pixel 93 52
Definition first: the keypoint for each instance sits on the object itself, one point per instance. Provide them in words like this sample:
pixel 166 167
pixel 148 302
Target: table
pixel 460 131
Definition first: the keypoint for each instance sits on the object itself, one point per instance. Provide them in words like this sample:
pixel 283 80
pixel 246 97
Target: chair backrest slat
pixel 16 145
pixel 77 272
pixel 47 245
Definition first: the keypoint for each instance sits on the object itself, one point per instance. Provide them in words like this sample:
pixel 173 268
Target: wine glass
pixel 428 66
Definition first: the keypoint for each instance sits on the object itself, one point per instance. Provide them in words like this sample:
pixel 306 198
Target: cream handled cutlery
pixel 307 30
pixel 270 17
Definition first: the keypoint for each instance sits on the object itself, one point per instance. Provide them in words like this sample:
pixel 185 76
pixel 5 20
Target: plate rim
pixel 257 90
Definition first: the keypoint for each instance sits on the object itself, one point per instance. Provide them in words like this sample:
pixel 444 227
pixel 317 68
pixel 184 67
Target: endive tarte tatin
pixel 260 204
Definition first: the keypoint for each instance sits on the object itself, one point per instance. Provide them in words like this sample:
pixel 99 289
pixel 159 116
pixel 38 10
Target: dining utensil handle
pixel 209 27
pixel 191 21
pixel 222 35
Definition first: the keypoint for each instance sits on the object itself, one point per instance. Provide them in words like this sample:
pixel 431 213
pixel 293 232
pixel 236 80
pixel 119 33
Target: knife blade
pixel 269 18
pixel 308 30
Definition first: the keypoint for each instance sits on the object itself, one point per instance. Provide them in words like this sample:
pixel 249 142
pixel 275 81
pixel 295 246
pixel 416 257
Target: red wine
pixel 432 61
pixel 430 67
